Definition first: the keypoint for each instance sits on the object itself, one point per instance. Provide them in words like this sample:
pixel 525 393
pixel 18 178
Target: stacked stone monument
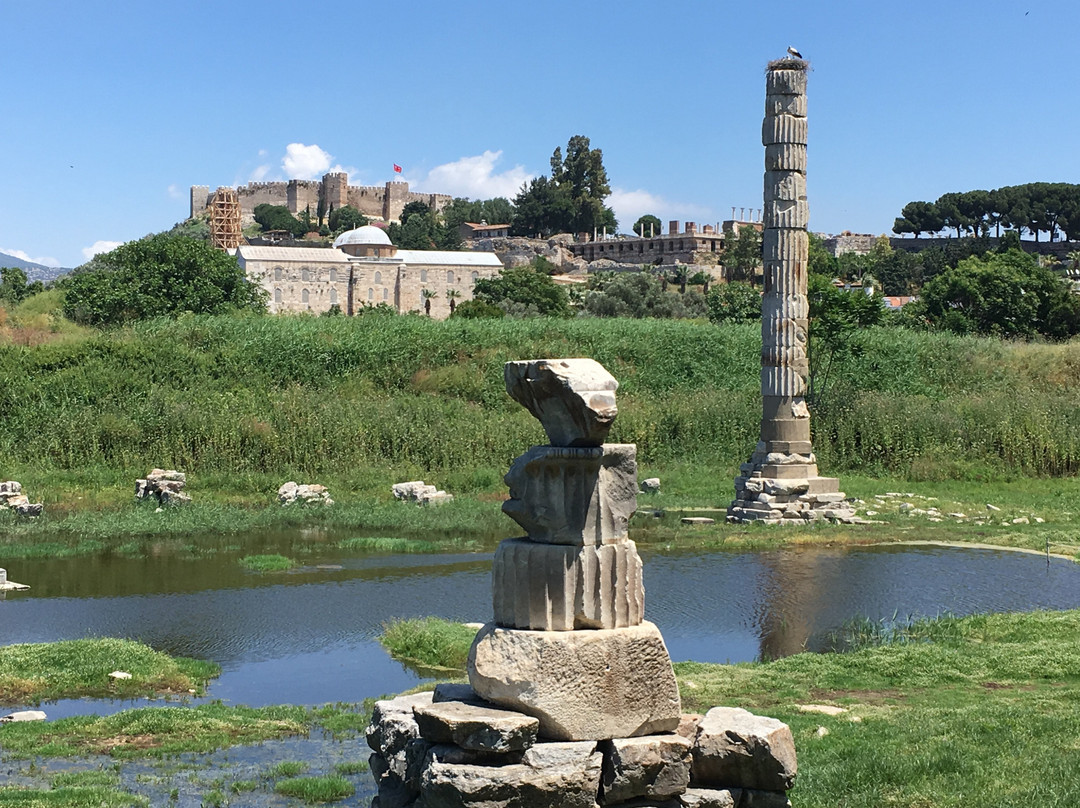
pixel 781 482
pixel 572 700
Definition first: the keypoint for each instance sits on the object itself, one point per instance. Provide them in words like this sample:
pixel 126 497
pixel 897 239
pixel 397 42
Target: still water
pixel 308 636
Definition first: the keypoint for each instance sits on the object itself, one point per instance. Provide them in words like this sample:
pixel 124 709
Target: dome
pixel 368 234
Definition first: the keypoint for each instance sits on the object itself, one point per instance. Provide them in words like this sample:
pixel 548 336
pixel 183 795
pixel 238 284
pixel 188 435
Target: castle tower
pixel 781 482
pixel 335 190
pixel 225 231
pixel 200 199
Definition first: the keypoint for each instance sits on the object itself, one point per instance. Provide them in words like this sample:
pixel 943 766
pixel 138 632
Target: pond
pixel 308 636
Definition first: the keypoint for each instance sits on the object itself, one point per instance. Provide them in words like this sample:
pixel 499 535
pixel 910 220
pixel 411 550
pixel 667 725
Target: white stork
pixel 794 52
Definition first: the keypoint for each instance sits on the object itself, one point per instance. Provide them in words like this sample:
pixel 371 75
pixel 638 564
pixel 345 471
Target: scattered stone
pixel 935 519
pixel 393 724
pixel 419 491
pixel 1021 520
pixel 13 498
pixel 822 732
pixel 871 513
pixel 10 586
pixel 990 507
pixel 24 715
pixel 306 494
pixel 570 779
pixel 650 485
pixel 481 729
pixel 1039 520
pixel 697 520
pixel 164 485
pixel 573 399
pixel 958 515
pixel 119 675
pixel 582 685
pixel 457 691
pixel 736 748
pixel 823 709
pixel 688 724
pixel 906 506
pixel 710 798
pixel 652 766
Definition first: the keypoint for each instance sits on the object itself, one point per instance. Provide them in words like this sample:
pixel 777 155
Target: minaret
pixel 781 482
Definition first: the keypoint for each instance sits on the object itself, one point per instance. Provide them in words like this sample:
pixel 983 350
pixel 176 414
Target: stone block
pixel 735 748
pixel 393 723
pixel 481 729
pixel 574 399
pixel 783 129
pixel 650 766
pixel 457 691
pixel 764 799
pixel 650 485
pixel 711 798
pixel 567 781
pixel 785 82
pixel 582 685
pixel 788 186
pixel 787 246
pixel 574 495
pixel 550 587
pixel 793 215
pixel 785 105
pixel 785 157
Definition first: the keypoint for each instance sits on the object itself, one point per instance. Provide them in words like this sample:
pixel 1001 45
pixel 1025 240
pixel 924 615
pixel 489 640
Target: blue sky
pixel 111 110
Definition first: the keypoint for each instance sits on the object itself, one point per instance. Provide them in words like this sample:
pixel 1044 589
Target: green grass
pixel 430 642
pixel 267 563
pixel 351 767
pixel 316 789
pixel 960 711
pixel 31 673
pixel 69 797
pixel 401 545
pixel 286 768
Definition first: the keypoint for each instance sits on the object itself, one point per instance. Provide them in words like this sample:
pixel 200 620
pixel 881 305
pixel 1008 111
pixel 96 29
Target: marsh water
pixel 308 636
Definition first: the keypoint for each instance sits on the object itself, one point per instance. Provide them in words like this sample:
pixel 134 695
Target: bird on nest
pixel 794 53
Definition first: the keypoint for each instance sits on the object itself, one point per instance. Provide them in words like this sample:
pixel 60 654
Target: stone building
pixel 331 192
pixel 364 269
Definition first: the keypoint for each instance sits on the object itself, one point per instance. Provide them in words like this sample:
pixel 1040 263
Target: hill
pixel 34 272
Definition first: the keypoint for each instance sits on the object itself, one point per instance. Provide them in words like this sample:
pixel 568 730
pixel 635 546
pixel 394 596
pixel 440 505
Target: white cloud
pixel 475 178
pixel 99 247
pixel 305 162
pixel 629 206
pixel 259 174
pixel 44 260
pixel 175 192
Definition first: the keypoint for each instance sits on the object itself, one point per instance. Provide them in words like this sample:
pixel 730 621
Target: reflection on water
pixel 308 636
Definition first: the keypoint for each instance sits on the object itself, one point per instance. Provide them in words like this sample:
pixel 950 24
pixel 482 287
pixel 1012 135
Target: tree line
pixel 1036 207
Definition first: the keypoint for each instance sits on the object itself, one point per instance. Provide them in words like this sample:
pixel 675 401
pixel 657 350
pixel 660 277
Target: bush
pixel 734 302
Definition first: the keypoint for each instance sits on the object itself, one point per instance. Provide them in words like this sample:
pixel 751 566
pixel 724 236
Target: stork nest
pixel 788 63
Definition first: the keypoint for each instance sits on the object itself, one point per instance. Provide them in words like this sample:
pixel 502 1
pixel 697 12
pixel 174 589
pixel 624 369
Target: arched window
pixel 305 274
pixel 475 276
pixel 370 294
pixel 333 297
pixel 277 273
pixel 304 296
pixel 333 276
pixel 423 276
pixel 277 295
pixel 450 277
pixel 378 277
pixel 385 294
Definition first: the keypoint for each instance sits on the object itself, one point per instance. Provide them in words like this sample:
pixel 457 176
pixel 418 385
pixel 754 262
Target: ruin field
pixel 244 404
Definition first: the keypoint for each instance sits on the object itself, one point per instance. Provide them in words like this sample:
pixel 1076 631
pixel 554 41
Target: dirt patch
pixel 862 696
pixel 145 741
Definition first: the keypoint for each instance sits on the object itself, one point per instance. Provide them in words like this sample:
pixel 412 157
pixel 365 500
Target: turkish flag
pixel 397 168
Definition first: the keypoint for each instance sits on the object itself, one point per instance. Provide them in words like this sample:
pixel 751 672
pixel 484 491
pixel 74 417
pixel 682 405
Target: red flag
pixel 397 168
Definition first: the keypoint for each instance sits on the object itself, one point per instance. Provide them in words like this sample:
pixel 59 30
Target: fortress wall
pixel 303 194
pixel 367 199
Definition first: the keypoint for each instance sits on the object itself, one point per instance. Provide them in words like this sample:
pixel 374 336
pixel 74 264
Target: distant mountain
pixel 34 272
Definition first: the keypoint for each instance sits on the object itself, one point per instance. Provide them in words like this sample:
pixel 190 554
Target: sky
pixel 112 110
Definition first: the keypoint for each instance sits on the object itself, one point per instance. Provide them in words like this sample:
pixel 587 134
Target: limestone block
pixel 711 798
pixel 306 494
pixel 574 399
pixel 784 382
pixel 419 491
pixel 786 214
pixel 3 576
pixel 393 724
pixel 571 781
pixel 785 82
pixel 482 729
pixel 173 498
pixel 166 475
pixel 735 748
pixel 786 105
pixel 688 724
pixel 785 246
pixel 785 185
pixel 574 495
pixel 582 685
pixel 652 766
pixel 10 488
pixel 650 485
pixel 564 587
pixel 783 129
pixel 785 157
pixel 457 691
pixel 23 715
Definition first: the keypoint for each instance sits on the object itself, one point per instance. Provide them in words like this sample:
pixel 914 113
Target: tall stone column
pixel 780 482
pixel 569 643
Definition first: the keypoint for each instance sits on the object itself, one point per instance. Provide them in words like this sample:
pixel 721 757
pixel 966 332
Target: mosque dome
pixel 366 235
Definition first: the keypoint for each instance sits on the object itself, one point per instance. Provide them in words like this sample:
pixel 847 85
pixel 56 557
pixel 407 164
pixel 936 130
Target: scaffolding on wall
pixel 225 219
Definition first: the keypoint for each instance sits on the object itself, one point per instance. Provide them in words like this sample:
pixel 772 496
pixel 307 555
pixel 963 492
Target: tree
pixel 572 200
pixel 541 207
pixel 1005 294
pixel 647 226
pixel 478 310
pixel 160 275
pixel 639 295
pixel 13 286
pixel 834 317
pixel 277 217
pixel 413 208
pixel 734 302
pixel 919 218
pixel 523 291
pixel 346 218
pixel 742 254
pixel 428 294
